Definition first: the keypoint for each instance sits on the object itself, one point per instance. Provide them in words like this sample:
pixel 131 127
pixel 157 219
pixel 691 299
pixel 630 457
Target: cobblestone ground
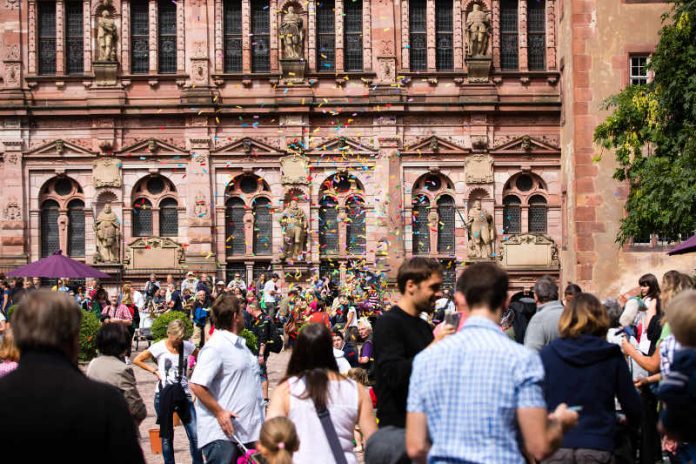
pixel 147 385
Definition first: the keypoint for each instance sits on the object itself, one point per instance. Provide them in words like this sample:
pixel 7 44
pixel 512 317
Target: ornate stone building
pixel 199 121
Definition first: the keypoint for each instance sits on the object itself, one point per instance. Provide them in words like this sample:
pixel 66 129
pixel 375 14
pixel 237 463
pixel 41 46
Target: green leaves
pixel 652 133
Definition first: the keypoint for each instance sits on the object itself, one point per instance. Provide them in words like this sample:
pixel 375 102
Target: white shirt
pixel 230 372
pixel 139 300
pixel 343 364
pixel 354 321
pixel 170 371
pixel 269 287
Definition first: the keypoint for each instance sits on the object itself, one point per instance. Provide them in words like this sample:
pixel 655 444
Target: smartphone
pixel 453 319
pixel 577 409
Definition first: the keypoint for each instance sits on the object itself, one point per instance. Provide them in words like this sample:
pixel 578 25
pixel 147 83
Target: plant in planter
pixel 89 326
pixel 159 326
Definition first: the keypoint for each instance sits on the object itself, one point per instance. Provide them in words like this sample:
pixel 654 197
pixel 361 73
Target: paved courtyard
pixel 147 385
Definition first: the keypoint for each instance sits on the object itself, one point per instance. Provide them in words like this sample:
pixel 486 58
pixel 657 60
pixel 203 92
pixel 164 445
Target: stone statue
pixel 108 233
pixel 294 224
pixel 292 35
pixel 106 37
pixel 481 227
pixel 478 26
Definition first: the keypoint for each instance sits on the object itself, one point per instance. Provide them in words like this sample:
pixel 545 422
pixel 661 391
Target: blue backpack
pixel 200 315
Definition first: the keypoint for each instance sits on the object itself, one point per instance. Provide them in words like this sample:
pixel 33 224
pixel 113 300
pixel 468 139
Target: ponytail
pixel 279 439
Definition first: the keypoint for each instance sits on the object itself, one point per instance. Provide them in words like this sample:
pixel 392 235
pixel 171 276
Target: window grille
pixel 235 242
pixel 169 218
pixel 75 62
pixel 418 37
pixel 537 214
pixel 326 36
pixel 421 230
pixel 263 227
pixel 445 237
pixel 512 215
pixel 140 42
pixel 142 218
pixel 50 242
pixel 76 228
pixel 261 30
pixel 509 55
pixel 47 37
pixel 353 36
pixel 328 226
pixel 233 36
pixel 166 22
pixel 355 228
pixel 449 274
pixel 639 69
pixel 444 26
pixel 536 34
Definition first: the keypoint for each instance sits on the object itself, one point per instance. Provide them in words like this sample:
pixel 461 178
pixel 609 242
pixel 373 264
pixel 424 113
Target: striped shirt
pixel 470 386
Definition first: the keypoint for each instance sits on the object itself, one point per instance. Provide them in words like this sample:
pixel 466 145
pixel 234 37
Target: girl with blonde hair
pixel 278 441
pixel 9 353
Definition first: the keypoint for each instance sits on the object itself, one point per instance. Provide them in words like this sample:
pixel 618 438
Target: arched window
pixel 537 214
pixel 445 236
pixel 512 215
pixel 76 228
pixel 263 227
pixel 50 240
pixel 142 218
pixel 355 229
pixel 421 231
pixel 328 226
pixel 235 242
pixel 536 34
pixel 509 31
pixel 169 218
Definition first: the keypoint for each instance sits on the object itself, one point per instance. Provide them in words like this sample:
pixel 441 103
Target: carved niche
pixel 106 172
pixel 154 253
pixel 529 250
pixel 478 169
pixel 294 169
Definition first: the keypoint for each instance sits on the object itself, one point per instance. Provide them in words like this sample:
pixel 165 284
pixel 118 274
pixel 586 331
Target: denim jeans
pixel 223 452
pixel 190 428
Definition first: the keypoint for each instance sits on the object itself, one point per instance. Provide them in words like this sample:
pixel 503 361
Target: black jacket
pixel 590 372
pixel 397 339
pixel 50 411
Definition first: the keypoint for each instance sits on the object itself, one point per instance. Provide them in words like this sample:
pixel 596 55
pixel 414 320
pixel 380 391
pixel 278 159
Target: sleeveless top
pixel 343 407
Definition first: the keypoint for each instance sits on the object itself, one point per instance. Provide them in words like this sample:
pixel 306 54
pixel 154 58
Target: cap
pixel 189 273
pixel 220 282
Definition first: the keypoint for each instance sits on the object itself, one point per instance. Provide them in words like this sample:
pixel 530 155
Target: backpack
pixel 275 344
pixel 200 314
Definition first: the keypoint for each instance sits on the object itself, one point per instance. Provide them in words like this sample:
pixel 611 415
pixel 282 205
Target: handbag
pixel 331 435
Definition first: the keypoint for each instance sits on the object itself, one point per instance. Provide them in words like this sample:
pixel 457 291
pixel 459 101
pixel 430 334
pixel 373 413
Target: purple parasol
pixel 57 266
pixel 687 246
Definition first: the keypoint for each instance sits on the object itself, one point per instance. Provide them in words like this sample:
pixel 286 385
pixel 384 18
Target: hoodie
pixel 590 372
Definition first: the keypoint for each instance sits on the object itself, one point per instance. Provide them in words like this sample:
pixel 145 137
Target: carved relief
pixel 11 4
pixel 106 172
pixel 12 74
pixel 154 253
pixel 12 211
pixel 200 209
pixel 367 36
pixel 386 48
pixel 294 169
pixel 12 52
pixel 199 71
pixel 478 169
pixel 386 69
pixel 529 250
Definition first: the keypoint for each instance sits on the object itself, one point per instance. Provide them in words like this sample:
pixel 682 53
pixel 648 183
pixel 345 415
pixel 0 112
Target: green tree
pixel 652 131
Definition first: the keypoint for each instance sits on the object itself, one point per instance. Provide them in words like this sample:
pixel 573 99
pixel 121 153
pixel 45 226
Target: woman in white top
pixel 166 354
pixel 312 381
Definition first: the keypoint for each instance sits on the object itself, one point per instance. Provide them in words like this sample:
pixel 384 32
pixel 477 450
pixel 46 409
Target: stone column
pixel 198 190
pixel 12 207
pixel 388 167
pixel 523 36
pixel 430 31
pixel 246 38
pixel 249 231
pixel 342 226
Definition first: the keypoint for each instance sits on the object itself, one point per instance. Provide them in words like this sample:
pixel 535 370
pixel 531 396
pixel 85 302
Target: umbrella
pixel 687 246
pixel 57 266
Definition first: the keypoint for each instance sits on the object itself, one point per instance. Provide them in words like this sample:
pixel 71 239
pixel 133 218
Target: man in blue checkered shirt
pixel 476 397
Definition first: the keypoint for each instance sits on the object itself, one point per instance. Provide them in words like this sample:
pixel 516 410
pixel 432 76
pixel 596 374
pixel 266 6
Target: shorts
pixel 263 370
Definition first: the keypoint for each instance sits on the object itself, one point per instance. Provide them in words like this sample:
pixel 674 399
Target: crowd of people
pixel 463 375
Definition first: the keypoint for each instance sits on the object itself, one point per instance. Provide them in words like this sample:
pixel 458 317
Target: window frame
pixel 47 41
pixel 166 61
pixel 74 42
pixel 139 36
pixel 350 7
pixel 441 33
pixel 536 63
pixel 420 33
pixel 638 79
pixel 514 64
pixel 229 37
pixel 260 63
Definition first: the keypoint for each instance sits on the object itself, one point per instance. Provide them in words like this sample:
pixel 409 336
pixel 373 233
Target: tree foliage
pixel 652 132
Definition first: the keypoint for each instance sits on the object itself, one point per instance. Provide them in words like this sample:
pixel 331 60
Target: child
pixel 360 375
pixel 278 441
pixel 678 389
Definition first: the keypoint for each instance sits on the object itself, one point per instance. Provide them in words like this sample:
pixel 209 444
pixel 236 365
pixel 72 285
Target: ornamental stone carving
pixel 12 211
pixel 294 169
pixel 107 231
pixel 481 226
pixel 106 37
pixel 478 31
pixel 294 226
pixel 292 35
pixel 106 172
pixel 154 253
pixel 478 169
pixel 200 209
pixel 529 250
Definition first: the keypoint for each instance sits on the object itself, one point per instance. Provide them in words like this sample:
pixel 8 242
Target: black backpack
pixel 275 344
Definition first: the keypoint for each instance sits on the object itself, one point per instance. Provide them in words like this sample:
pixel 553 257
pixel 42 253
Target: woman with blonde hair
pixel 171 355
pixel 587 372
pixel 9 353
pixel 278 441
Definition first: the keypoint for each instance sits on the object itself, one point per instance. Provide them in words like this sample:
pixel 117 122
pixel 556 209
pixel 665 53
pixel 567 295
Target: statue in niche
pixel 294 224
pixel 478 25
pixel 107 231
pixel 292 35
pixel 481 226
pixel 106 37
